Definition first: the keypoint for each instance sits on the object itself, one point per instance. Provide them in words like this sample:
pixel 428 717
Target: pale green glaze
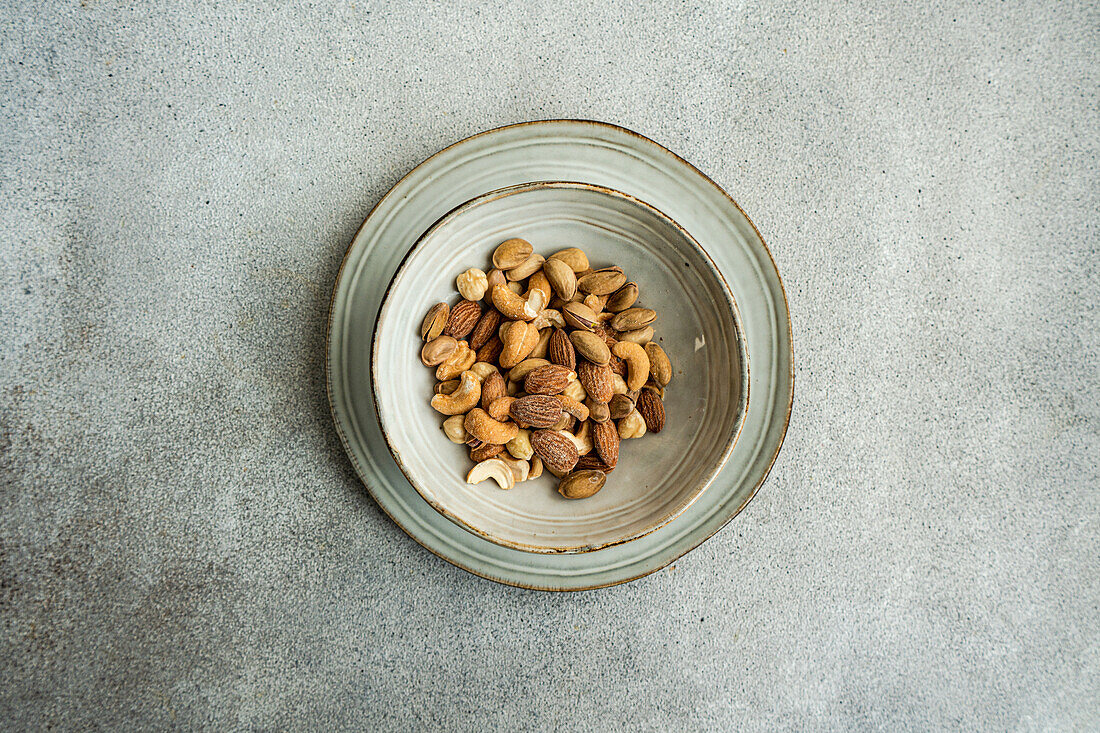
pixel 593 153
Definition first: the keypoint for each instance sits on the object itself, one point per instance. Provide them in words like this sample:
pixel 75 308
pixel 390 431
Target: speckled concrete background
pixel 184 544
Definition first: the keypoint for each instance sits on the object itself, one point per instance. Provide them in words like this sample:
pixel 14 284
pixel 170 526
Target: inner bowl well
pixel 659 475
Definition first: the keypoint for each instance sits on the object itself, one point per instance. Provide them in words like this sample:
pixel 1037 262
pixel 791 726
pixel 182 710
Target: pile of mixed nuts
pixel 545 363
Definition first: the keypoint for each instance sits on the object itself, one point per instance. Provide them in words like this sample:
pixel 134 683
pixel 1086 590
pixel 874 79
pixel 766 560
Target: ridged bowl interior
pixel 658 475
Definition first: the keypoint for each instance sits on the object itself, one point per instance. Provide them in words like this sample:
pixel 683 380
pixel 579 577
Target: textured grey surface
pixel 183 543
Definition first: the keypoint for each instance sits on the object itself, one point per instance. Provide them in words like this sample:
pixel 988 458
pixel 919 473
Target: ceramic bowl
pixel 659 475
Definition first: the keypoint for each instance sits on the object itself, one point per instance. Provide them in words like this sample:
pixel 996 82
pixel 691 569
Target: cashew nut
pixel 493 468
pixel 539 281
pixel 462 399
pixel 577 409
pixel 632 426
pixel 512 305
pixel 637 363
pixel 462 359
pixel 521 469
pixel 520 446
pixel 575 390
pixel 553 317
pixel 519 340
pixel 472 284
pixel 498 409
pixel 536 468
pixel 483 369
pixel 543 344
pixel 618 384
pixel 454 430
pixel 481 426
pixel 582 439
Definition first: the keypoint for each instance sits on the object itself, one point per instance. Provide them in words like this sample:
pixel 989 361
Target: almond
pixel 605 333
pixel 560 349
pixel 592 462
pixel 464 317
pixel 596 381
pixel 485 328
pixel 652 410
pixel 490 350
pixel 550 379
pixel 485 452
pixel 558 454
pixel 605 439
pixel 617 365
pixel 538 411
pixel 581 484
pixel 493 387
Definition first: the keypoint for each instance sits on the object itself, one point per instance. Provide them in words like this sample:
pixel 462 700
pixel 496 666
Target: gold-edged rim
pixel 739 335
pixel 347 446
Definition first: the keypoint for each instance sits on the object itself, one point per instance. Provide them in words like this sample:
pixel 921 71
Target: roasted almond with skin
pixel 592 462
pixel 652 410
pixel 558 454
pixel 606 334
pixel 538 411
pixel 490 351
pixel 605 439
pixel 435 321
pixel 550 379
pixel 560 349
pixel 464 317
pixel 493 387
pixel 485 452
pixel 511 253
pixel 581 484
pixel 622 298
pixel 632 319
pixel 485 328
pixel 591 347
pixel 596 381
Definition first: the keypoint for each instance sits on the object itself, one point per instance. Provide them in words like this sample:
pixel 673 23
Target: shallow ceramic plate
pixel 659 475
pixel 558 150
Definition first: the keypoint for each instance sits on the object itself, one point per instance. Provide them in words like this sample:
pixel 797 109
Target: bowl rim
pixel 739 340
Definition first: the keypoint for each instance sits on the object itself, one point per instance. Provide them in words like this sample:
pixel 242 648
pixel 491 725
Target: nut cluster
pixel 545 364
